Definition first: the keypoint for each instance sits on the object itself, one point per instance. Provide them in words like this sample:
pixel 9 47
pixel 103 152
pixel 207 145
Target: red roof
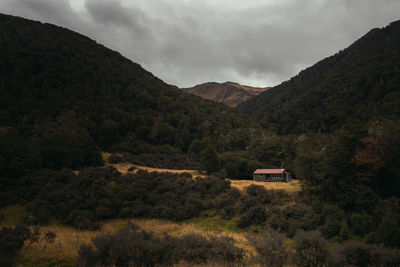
pixel 267 171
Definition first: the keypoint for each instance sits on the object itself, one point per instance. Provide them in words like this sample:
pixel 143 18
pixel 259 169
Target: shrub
pixel 270 248
pixel 354 254
pixel 330 229
pixel 227 213
pixel 361 223
pixel 11 240
pixel 255 216
pixel 130 247
pixel 310 249
pixel 199 249
pixel 131 169
pixel 115 158
pixel 358 254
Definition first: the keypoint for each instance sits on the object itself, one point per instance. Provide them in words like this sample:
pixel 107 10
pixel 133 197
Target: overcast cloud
pixel 186 42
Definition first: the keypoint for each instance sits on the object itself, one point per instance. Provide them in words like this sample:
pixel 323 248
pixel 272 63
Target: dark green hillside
pixel 70 97
pixel 338 130
pixel 362 82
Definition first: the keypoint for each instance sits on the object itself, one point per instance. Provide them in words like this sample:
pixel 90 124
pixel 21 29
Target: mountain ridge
pixel 58 86
pixel 229 93
pixel 359 82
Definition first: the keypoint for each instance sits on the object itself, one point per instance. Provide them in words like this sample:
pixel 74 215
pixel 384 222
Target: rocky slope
pixel 229 93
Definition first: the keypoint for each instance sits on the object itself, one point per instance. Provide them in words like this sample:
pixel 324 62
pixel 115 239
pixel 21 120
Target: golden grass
pixel 292 186
pixel 63 251
pixel 123 167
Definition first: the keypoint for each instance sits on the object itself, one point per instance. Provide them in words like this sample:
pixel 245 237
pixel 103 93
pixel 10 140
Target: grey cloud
pixel 187 42
pixel 112 13
pixel 59 12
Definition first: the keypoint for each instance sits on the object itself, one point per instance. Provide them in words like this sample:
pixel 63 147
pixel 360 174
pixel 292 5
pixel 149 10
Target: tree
pixel 210 161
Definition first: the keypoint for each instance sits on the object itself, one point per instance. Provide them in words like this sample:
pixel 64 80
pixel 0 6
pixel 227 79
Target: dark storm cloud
pixel 256 42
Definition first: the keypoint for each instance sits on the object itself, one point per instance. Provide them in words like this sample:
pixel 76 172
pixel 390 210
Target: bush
pixel 115 158
pixel 131 169
pixel 255 216
pixel 330 229
pixel 199 249
pixel 227 213
pixel 358 254
pixel 11 241
pixel 130 247
pixel 270 248
pixel 310 249
pixel 361 223
pixel 259 193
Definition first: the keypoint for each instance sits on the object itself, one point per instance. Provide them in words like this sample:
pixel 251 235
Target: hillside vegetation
pixel 342 117
pixel 67 95
pixel 360 82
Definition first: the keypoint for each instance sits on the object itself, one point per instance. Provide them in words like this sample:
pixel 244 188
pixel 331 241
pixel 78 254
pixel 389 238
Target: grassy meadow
pixel 64 250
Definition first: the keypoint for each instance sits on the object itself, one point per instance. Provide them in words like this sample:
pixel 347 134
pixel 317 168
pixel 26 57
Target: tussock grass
pixel 292 186
pixel 123 167
pixel 63 251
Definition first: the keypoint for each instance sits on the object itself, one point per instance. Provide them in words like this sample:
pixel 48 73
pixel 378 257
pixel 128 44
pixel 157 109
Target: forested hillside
pixel 68 97
pixel 361 82
pixel 338 128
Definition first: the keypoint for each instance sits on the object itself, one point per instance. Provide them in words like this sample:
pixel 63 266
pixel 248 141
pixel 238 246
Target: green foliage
pixel 238 166
pixel 210 161
pixel 17 156
pixel 361 223
pixel 82 199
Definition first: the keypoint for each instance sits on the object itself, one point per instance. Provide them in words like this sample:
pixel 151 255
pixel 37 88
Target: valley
pixel 90 140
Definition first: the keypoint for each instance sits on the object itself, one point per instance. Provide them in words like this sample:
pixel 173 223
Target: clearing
pixel 290 187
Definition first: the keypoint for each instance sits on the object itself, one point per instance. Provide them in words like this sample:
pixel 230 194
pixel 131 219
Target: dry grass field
pixel 292 186
pixel 63 251
pixel 123 167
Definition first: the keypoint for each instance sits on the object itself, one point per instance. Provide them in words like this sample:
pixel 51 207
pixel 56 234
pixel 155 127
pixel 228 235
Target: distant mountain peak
pixel 230 93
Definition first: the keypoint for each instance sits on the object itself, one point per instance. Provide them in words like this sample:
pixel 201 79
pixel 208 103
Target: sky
pixel 186 42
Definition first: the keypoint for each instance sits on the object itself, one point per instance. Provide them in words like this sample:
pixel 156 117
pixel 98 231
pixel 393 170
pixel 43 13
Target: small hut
pixel 271 175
